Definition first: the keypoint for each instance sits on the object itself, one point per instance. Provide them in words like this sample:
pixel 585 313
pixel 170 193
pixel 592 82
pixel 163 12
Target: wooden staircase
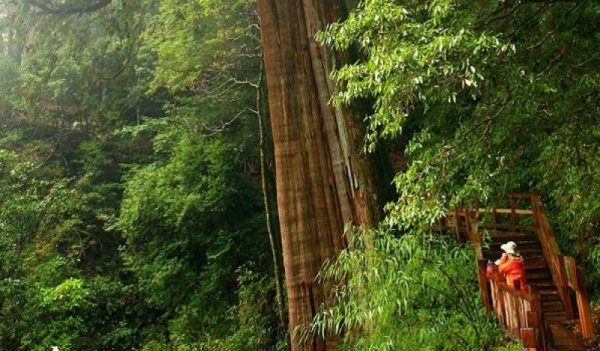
pixel 538 275
pixel 556 298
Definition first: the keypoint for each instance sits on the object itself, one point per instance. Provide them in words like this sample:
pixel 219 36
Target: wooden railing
pixel 519 312
pixel 567 276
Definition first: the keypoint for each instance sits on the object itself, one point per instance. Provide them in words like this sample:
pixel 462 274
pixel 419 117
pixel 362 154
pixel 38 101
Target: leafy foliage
pixel 129 200
pixel 484 98
pixel 408 292
pixel 488 97
pixel 128 204
pixel 50 267
pixel 188 221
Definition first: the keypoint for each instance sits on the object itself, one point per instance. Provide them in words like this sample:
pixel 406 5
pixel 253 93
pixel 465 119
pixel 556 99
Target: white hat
pixel 510 248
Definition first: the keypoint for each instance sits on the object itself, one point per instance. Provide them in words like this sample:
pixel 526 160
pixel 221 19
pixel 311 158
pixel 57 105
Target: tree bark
pixel 322 182
pixel 266 186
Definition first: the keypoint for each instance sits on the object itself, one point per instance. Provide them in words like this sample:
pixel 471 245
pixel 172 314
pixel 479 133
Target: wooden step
pixel 522 245
pixel 531 257
pixel 552 306
pixel 540 284
pixel 528 254
pixel 527 251
pixel 498 237
pixel 518 238
pixel 534 263
pixel 508 234
pixel 563 338
pixel 549 295
pixel 500 227
pixel 538 274
pixel 555 317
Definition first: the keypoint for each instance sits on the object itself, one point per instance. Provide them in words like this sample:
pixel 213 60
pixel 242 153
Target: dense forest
pixel 265 175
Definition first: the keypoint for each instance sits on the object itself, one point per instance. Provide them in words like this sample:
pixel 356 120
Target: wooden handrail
pixel 516 211
pixel 565 273
pixel 501 211
pixel 552 253
pixel 519 312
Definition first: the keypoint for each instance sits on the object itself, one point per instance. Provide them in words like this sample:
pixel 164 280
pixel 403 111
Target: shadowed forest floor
pixel 594 343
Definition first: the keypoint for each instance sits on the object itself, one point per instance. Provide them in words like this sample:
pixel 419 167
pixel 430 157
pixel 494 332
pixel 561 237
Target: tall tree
pixel 130 211
pixel 323 184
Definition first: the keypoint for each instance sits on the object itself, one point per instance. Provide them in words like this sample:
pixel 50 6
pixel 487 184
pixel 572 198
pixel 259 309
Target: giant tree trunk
pixel 322 183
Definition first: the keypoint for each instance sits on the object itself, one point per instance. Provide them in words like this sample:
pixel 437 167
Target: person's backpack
pixel 490 269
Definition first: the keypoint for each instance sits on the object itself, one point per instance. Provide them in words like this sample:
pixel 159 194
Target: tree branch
pixel 69 9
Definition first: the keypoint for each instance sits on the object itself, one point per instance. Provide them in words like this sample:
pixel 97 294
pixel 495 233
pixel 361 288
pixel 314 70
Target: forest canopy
pixel 485 98
pixel 137 169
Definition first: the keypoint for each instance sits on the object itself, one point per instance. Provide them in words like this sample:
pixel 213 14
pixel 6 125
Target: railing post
pixel 535 318
pixel 499 303
pixel 529 339
pixel 583 304
pixel 564 286
pixel 513 213
pixel 516 320
pixel 494 220
pixel 484 286
pixel 456 226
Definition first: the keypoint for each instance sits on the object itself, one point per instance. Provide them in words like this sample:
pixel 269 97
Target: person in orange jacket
pixel 512 265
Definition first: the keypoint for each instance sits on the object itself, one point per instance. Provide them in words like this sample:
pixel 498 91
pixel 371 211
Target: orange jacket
pixel 513 269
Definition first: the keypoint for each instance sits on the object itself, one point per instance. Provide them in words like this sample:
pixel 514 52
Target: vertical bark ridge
pixel 319 175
